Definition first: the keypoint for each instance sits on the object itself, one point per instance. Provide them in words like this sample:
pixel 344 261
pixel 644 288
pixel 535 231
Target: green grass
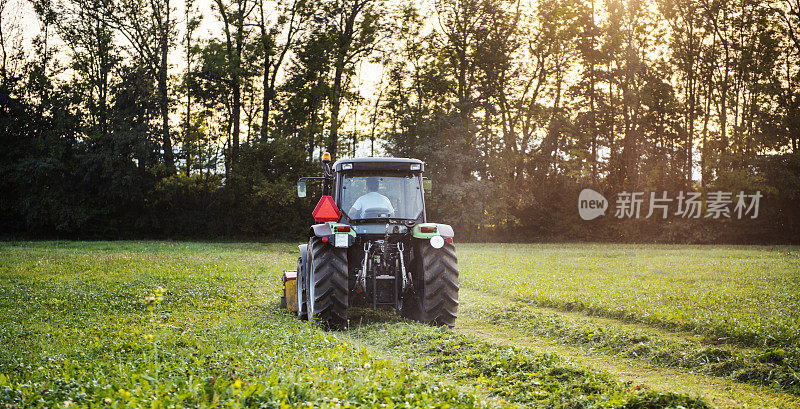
pixel 742 302
pixel 772 367
pixel 78 329
pixel 512 373
pixel 88 325
pixel 745 295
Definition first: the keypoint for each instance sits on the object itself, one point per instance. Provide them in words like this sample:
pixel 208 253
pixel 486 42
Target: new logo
pixel 591 204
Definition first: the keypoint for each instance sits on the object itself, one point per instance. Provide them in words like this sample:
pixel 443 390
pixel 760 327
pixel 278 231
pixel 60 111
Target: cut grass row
pixel 83 324
pixel 744 295
pixel 512 373
pixel 768 367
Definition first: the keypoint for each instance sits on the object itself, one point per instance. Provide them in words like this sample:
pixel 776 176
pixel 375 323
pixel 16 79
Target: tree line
pixel 121 119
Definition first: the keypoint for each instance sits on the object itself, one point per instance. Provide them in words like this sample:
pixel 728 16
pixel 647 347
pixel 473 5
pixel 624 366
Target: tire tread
pixel 331 286
pixel 438 303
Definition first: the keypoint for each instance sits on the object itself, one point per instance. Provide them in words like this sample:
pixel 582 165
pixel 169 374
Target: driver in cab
pixel 372 202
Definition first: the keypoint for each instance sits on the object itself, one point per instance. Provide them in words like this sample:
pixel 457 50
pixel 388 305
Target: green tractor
pixel 378 251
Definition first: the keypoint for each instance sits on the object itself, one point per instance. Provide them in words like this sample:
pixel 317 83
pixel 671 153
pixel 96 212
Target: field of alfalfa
pixel 162 324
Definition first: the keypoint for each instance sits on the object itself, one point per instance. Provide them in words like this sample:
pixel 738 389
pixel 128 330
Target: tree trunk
pixel 3 72
pixel 691 91
pixel 236 84
pixel 169 160
pixel 704 153
pixel 343 43
pixel 187 138
pixel 102 89
pixel 335 105
pixel 265 47
pixel 629 111
pixel 550 142
pixel 612 161
pixel 593 118
pixel 266 100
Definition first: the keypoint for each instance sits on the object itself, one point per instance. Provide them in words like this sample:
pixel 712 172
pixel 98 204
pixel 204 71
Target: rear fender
pixel 301 270
pixel 321 230
pixel 444 230
pixel 325 232
pixel 303 258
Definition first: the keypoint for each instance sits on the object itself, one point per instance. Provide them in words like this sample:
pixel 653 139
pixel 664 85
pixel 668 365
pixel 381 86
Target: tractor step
pixel 385 277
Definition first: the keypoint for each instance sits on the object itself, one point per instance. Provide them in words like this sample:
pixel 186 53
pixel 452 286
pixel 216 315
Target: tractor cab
pixel 374 192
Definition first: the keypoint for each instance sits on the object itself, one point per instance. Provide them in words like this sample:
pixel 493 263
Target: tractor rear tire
pixel 435 299
pixel 327 286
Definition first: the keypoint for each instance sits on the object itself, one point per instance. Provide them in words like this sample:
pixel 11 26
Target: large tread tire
pixel 435 299
pixel 327 293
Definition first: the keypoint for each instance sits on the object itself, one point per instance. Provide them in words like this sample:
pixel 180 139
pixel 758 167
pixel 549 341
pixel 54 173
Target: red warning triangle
pixel 326 210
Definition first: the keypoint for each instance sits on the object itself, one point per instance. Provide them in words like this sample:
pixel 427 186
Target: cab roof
pixel 396 164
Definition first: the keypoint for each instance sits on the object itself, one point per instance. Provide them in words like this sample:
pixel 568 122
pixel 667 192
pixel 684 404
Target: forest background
pixel 125 119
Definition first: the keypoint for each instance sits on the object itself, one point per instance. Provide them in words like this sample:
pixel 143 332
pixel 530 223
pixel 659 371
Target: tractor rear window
pixel 381 195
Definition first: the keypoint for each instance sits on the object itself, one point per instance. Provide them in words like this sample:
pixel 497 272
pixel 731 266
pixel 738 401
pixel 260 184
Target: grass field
pixel 748 295
pixel 158 324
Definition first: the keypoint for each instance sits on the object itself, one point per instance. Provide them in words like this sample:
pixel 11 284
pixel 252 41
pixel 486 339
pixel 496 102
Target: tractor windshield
pixel 381 195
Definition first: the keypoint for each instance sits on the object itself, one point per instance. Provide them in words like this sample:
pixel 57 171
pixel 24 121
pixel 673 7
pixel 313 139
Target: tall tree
pixel 305 91
pixel 87 29
pixel 685 20
pixel 10 39
pixel 151 35
pixel 189 132
pixel 234 16
pixel 464 31
pixel 354 28
pixel 285 26
pixel 587 86
pixel 789 13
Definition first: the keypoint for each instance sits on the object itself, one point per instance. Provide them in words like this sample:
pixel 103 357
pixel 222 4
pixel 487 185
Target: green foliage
pixel 113 185
pixel 165 324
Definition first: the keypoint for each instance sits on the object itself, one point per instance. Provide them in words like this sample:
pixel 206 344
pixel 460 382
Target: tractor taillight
pixel 427 229
pixel 342 229
pixel 449 239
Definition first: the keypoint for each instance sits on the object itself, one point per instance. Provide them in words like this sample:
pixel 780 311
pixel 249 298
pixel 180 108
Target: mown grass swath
pixel 515 374
pixel 87 324
pixel 745 295
pixel 742 301
pixel 761 366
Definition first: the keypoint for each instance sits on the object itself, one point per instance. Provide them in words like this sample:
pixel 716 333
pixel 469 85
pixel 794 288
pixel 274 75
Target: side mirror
pixel 301 188
pixel 427 187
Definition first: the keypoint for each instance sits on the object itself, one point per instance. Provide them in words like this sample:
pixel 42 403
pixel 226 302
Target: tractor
pixel 372 246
